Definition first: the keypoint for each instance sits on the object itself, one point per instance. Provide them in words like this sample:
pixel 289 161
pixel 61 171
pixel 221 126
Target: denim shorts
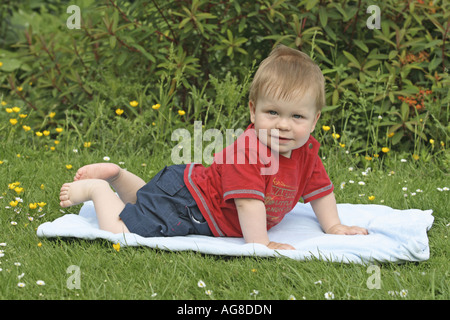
pixel 165 208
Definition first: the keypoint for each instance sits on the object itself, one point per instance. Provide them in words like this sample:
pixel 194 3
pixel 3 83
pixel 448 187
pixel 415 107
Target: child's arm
pixel 326 212
pixel 252 218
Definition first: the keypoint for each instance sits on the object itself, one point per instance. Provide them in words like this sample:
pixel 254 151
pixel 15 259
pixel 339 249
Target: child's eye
pixel 298 116
pixel 272 113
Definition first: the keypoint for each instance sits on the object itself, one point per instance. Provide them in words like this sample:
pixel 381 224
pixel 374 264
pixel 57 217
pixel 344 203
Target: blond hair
pixel 288 73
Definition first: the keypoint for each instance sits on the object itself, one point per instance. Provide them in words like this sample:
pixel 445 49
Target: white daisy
pixel 329 295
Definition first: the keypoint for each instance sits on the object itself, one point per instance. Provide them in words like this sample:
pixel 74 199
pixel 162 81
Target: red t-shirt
pixel 247 169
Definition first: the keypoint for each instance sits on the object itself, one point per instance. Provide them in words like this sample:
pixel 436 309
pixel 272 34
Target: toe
pixel 78 175
pixel 65 203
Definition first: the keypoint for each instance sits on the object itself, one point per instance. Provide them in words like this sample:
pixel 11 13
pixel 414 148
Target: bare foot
pixel 104 171
pixel 78 192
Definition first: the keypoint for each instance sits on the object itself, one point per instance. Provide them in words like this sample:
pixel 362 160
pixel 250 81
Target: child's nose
pixel 282 124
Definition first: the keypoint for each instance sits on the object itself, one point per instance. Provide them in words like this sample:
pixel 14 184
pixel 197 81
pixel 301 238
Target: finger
pixel 280 246
pixel 359 230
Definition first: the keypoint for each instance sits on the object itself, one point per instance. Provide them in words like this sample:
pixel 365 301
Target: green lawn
pixel 143 273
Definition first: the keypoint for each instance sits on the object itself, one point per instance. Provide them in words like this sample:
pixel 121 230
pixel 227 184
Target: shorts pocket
pixel 170 181
pixel 198 221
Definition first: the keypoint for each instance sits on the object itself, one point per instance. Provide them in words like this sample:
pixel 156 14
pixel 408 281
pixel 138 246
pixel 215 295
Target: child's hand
pixel 280 246
pixel 341 229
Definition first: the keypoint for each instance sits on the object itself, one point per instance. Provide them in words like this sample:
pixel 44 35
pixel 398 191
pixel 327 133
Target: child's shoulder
pixel 311 146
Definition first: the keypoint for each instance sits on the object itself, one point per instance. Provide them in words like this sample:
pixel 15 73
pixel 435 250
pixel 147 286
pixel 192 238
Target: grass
pixel 143 273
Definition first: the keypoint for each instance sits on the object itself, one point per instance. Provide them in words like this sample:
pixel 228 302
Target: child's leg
pixel 124 182
pixel 107 205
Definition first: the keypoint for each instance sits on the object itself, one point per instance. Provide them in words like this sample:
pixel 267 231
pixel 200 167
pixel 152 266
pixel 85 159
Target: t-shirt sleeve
pixel 243 180
pixel 319 184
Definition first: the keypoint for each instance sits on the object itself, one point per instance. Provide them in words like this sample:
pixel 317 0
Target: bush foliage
pixel 181 61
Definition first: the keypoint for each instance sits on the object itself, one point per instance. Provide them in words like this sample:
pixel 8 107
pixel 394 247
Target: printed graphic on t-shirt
pixel 278 201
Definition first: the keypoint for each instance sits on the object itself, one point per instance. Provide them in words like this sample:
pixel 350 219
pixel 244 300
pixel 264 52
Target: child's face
pixel 293 122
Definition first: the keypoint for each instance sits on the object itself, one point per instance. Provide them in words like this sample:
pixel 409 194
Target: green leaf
pixel 183 22
pixel 361 45
pixel 392 54
pixel 144 52
pixel 369 64
pixel 404 111
pixel 10 64
pixel 434 63
pixel 352 59
pixel 112 42
pixel 311 4
pixel 397 137
pixel 323 16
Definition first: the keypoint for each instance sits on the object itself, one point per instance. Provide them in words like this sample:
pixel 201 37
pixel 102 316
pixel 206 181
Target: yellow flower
pixel 16 109
pixel 26 128
pixel 18 190
pixel 156 106
pixel 13 121
pixel 385 149
pixel 342 145
pixel 59 130
pixel 11 186
pixel 119 112
pixel 52 148
pixel 1 63
pixel 134 103
pixel 33 205
pixel 39 244
pixel 390 135
pixel 19 88
pixel 116 246
pixel 9 110
pixel 42 187
pixel 39 134
pixel 335 135
pixel 23 116
pixel 41 204
pixel 4 103
pixel 325 128
pixel 431 141
pixel 56 142
pixel 376 155
pixel 52 114
pixel 442 143
pixel 371 198
pixel 368 158
pixel 415 157
pixel 68 166
pixel 181 112
pixel 46 132
pixel 87 144
pixel 14 203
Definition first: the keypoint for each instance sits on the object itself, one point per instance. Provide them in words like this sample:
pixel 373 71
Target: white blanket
pixel 394 235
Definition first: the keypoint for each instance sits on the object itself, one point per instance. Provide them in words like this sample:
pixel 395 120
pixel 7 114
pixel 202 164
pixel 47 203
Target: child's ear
pixel 252 108
pixel 315 121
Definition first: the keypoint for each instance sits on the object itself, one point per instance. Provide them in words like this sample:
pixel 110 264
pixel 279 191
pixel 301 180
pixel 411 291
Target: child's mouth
pixel 282 139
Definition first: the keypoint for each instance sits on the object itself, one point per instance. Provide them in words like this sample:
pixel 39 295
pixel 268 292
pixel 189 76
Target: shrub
pixel 386 87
